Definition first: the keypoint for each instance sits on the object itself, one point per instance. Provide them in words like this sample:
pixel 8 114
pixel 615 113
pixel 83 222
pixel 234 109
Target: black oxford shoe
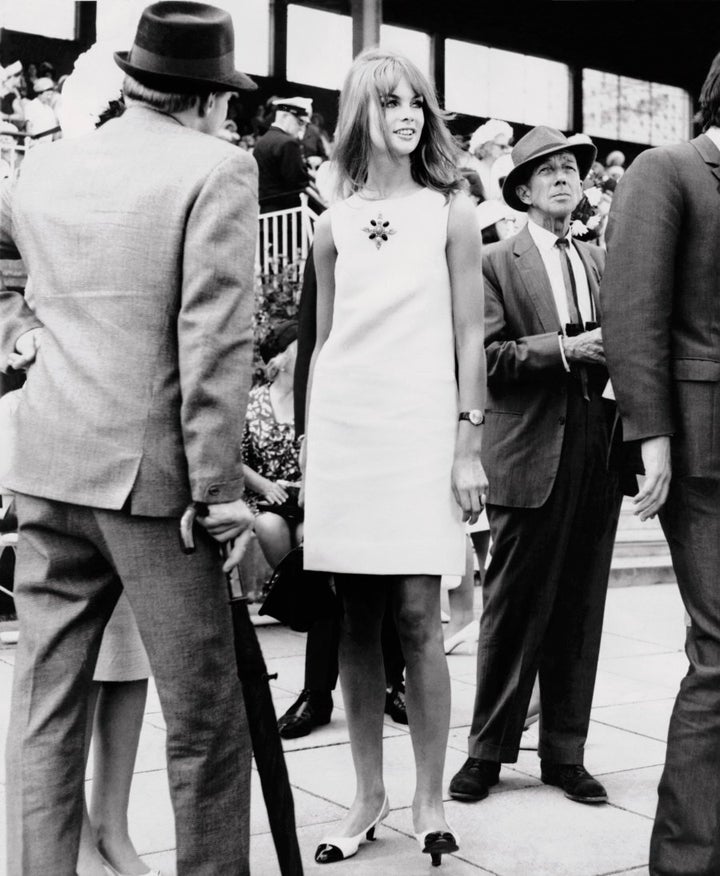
pixel 575 780
pixel 310 709
pixel 474 779
pixel 395 704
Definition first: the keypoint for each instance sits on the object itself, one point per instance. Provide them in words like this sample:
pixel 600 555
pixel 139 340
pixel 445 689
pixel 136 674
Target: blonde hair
pixel 373 75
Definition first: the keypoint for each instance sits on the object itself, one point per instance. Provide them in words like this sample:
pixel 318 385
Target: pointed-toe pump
pixel 338 848
pixel 468 635
pixel 437 843
pixel 113 871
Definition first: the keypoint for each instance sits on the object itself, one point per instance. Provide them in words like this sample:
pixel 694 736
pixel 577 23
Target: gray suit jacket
pixel 527 380
pixel 139 240
pixel 661 298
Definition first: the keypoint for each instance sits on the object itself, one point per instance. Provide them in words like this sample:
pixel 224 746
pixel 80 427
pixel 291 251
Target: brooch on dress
pixel 379 230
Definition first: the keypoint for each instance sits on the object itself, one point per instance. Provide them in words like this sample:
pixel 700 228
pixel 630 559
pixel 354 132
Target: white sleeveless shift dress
pixel 384 406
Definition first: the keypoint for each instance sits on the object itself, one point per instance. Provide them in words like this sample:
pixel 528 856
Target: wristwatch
pixel 476 417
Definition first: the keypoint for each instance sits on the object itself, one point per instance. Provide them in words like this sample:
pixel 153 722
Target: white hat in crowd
pixel 45 83
pixel 298 106
pixel 11 70
pixel 489 131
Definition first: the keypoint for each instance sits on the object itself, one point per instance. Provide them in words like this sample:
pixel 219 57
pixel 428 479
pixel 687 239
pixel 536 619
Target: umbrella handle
pixel 187 521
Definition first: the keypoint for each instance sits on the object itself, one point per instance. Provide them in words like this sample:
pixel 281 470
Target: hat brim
pixel 172 82
pixel 585 153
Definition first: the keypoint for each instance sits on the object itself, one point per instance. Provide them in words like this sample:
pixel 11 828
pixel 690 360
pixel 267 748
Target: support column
pixel 278 38
pixel 437 66
pixel 576 99
pixel 85 23
pixel 366 17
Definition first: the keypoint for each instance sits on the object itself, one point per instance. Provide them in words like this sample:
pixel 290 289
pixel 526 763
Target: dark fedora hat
pixel 536 144
pixel 182 47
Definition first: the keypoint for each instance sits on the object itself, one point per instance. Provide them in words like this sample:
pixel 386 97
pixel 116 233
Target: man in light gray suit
pixel 139 240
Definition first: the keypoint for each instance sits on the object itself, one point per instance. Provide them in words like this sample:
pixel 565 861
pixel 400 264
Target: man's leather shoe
pixel 575 780
pixel 310 709
pixel 474 779
pixel 395 704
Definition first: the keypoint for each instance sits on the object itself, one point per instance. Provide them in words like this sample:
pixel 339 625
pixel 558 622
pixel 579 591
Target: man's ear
pixel 523 193
pixel 205 104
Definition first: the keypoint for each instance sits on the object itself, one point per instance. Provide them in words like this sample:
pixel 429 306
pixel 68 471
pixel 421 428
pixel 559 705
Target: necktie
pixel 563 244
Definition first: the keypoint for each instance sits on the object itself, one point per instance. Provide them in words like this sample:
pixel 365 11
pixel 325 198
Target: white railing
pixel 12 153
pixel 285 237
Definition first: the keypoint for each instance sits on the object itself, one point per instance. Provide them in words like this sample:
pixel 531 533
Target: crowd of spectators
pixel 31 94
pixel 30 98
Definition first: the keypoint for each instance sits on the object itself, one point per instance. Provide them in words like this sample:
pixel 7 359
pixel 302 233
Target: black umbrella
pixel 262 720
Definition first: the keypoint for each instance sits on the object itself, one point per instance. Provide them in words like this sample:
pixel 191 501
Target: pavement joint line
pixel 650 818
pixel 624 871
pixel 650 766
pixel 627 730
pixel 642 641
pixel 634 703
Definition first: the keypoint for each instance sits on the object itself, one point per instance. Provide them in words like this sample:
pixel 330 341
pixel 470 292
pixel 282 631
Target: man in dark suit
pixel 139 240
pixel 553 505
pixel 282 175
pixel 662 308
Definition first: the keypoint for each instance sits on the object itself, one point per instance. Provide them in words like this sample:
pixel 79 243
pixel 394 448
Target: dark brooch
pixel 379 230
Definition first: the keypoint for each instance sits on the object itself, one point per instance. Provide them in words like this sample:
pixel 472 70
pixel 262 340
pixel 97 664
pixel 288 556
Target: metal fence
pixel 285 237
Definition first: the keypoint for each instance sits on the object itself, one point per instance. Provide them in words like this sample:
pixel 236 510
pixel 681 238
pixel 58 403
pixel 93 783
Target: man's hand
pixel 585 348
pixel 230 520
pixel 26 348
pixel 658 471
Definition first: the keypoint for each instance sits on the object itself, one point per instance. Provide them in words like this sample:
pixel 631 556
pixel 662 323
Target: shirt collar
pixel 714 134
pixel 544 240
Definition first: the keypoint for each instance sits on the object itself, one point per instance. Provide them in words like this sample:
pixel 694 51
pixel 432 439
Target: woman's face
pixel 402 119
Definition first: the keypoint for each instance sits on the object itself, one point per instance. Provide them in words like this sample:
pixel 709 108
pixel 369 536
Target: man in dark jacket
pixel 662 304
pixel 282 172
pixel 553 506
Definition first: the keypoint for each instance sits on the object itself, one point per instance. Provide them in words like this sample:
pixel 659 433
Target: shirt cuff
pixel 562 352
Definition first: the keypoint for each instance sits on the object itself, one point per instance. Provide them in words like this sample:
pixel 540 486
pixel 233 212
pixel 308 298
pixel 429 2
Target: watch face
pixel 475 417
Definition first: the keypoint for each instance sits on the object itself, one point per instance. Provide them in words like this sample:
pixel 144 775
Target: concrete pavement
pixel 523 828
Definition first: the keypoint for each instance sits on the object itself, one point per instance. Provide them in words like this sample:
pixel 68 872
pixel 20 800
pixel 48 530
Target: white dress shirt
pixel 550 254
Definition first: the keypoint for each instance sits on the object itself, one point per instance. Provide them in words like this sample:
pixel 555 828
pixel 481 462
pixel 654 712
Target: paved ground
pixel 523 828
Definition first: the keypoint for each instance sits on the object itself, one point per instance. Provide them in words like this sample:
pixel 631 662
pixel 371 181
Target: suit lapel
pixel 709 154
pixel 534 276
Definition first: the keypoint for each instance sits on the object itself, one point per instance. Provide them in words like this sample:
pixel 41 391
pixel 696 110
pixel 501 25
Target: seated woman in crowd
pixel 270 450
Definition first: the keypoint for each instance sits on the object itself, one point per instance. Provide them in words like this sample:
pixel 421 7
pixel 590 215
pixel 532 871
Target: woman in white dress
pixel 397 386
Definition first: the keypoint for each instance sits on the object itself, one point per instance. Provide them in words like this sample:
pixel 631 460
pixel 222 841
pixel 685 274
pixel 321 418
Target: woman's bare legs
pixel 275 536
pixel 362 676
pixel 89 862
pixel 427 682
pixel 116 733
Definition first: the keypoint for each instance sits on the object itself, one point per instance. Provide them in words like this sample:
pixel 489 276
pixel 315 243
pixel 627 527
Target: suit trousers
pixel 72 564
pixel 544 599
pixel 321 653
pixel 686 835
